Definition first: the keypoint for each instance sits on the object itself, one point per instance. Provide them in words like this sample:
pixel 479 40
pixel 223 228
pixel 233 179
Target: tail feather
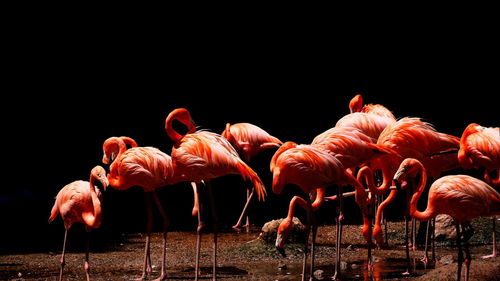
pixel 53 213
pixel 248 174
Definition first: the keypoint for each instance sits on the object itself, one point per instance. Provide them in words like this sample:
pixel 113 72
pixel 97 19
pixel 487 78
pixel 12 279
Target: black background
pixel 70 88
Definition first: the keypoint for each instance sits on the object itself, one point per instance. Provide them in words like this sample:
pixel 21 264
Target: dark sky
pixel 66 99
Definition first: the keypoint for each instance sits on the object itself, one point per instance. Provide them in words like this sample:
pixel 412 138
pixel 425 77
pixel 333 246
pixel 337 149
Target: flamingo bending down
pixel 148 168
pixel 249 140
pixel 312 168
pixel 462 197
pixel 202 155
pixel 480 148
pixel 80 201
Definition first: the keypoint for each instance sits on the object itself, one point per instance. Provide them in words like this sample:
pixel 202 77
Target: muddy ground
pixel 243 256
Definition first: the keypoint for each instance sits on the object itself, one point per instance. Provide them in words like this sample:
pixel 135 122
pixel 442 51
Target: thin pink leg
pixel 166 222
pixel 494 252
pixel 201 224
pixel 149 227
pixel 86 264
pixel 215 229
pixel 63 261
pixel 238 223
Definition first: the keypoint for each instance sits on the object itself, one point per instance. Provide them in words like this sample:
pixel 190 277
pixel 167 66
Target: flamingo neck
pixel 367 173
pixel 93 217
pixel 174 135
pixel 429 211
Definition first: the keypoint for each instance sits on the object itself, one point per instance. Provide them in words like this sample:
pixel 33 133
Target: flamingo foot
pixel 142 278
pixel 424 259
pixel 406 273
pixel 492 255
pixel 161 278
pixel 336 276
pixel 237 227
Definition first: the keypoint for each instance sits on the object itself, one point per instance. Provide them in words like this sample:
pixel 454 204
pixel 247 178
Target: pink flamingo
pixel 249 140
pixel 201 155
pixel 356 105
pixel 80 202
pixel 312 168
pixel 148 168
pixel 480 148
pixel 410 138
pixel 462 197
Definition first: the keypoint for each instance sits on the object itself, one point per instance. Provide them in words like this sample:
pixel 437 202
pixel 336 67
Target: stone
pixel 446 230
pixel 446 259
pixel 319 274
pixel 270 229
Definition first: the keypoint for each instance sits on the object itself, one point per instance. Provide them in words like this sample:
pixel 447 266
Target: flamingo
pixel 249 140
pixel 312 168
pixel 462 197
pixel 80 202
pixel 410 138
pixel 149 168
pixel 480 148
pixel 201 155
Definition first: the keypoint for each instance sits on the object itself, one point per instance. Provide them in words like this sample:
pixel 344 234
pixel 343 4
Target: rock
pixel 319 274
pixel 446 259
pixel 269 230
pixel 446 230
pixel 354 266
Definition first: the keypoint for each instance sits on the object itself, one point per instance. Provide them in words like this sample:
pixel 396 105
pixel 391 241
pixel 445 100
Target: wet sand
pixel 243 256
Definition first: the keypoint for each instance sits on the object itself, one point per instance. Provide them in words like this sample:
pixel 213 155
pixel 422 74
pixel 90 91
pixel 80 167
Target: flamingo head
pixel 98 179
pixel 283 231
pixel 183 116
pixel 408 168
pixel 356 103
pixel 111 147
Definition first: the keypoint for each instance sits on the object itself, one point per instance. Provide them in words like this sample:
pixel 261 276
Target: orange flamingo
pixel 80 201
pixel 201 155
pixel 462 197
pixel 249 140
pixel 480 148
pixel 148 168
pixel 312 168
pixel 410 138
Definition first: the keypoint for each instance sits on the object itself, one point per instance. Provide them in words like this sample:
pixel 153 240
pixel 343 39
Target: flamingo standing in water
pixel 480 148
pixel 80 201
pixel 148 168
pixel 249 140
pixel 462 197
pixel 410 138
pixel 201 155
pixel 311 168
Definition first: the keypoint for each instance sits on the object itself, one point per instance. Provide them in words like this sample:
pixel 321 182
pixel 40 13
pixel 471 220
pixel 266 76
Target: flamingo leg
pixel 165 226
pixel 249 198
pixel 86 265
pixel 468 258
pixel 149 226
pixel 63 261
pixel 407 248
pixel 215 228
pixel 312 226
pixel 433 256
pixel 201 224
pixel 340 219
pixel 306 243
pixel 425 258
pixel 494 251
pixel 460 254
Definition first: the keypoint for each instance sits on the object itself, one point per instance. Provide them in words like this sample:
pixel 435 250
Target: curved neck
pixel 93 217
pixel 383 205
pixel 122 147
pixel 414 212
pixel 367 173
pixel 174 135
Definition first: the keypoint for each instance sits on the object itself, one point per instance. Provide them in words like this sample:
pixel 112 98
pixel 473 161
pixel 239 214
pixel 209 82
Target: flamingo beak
pixel 105 159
